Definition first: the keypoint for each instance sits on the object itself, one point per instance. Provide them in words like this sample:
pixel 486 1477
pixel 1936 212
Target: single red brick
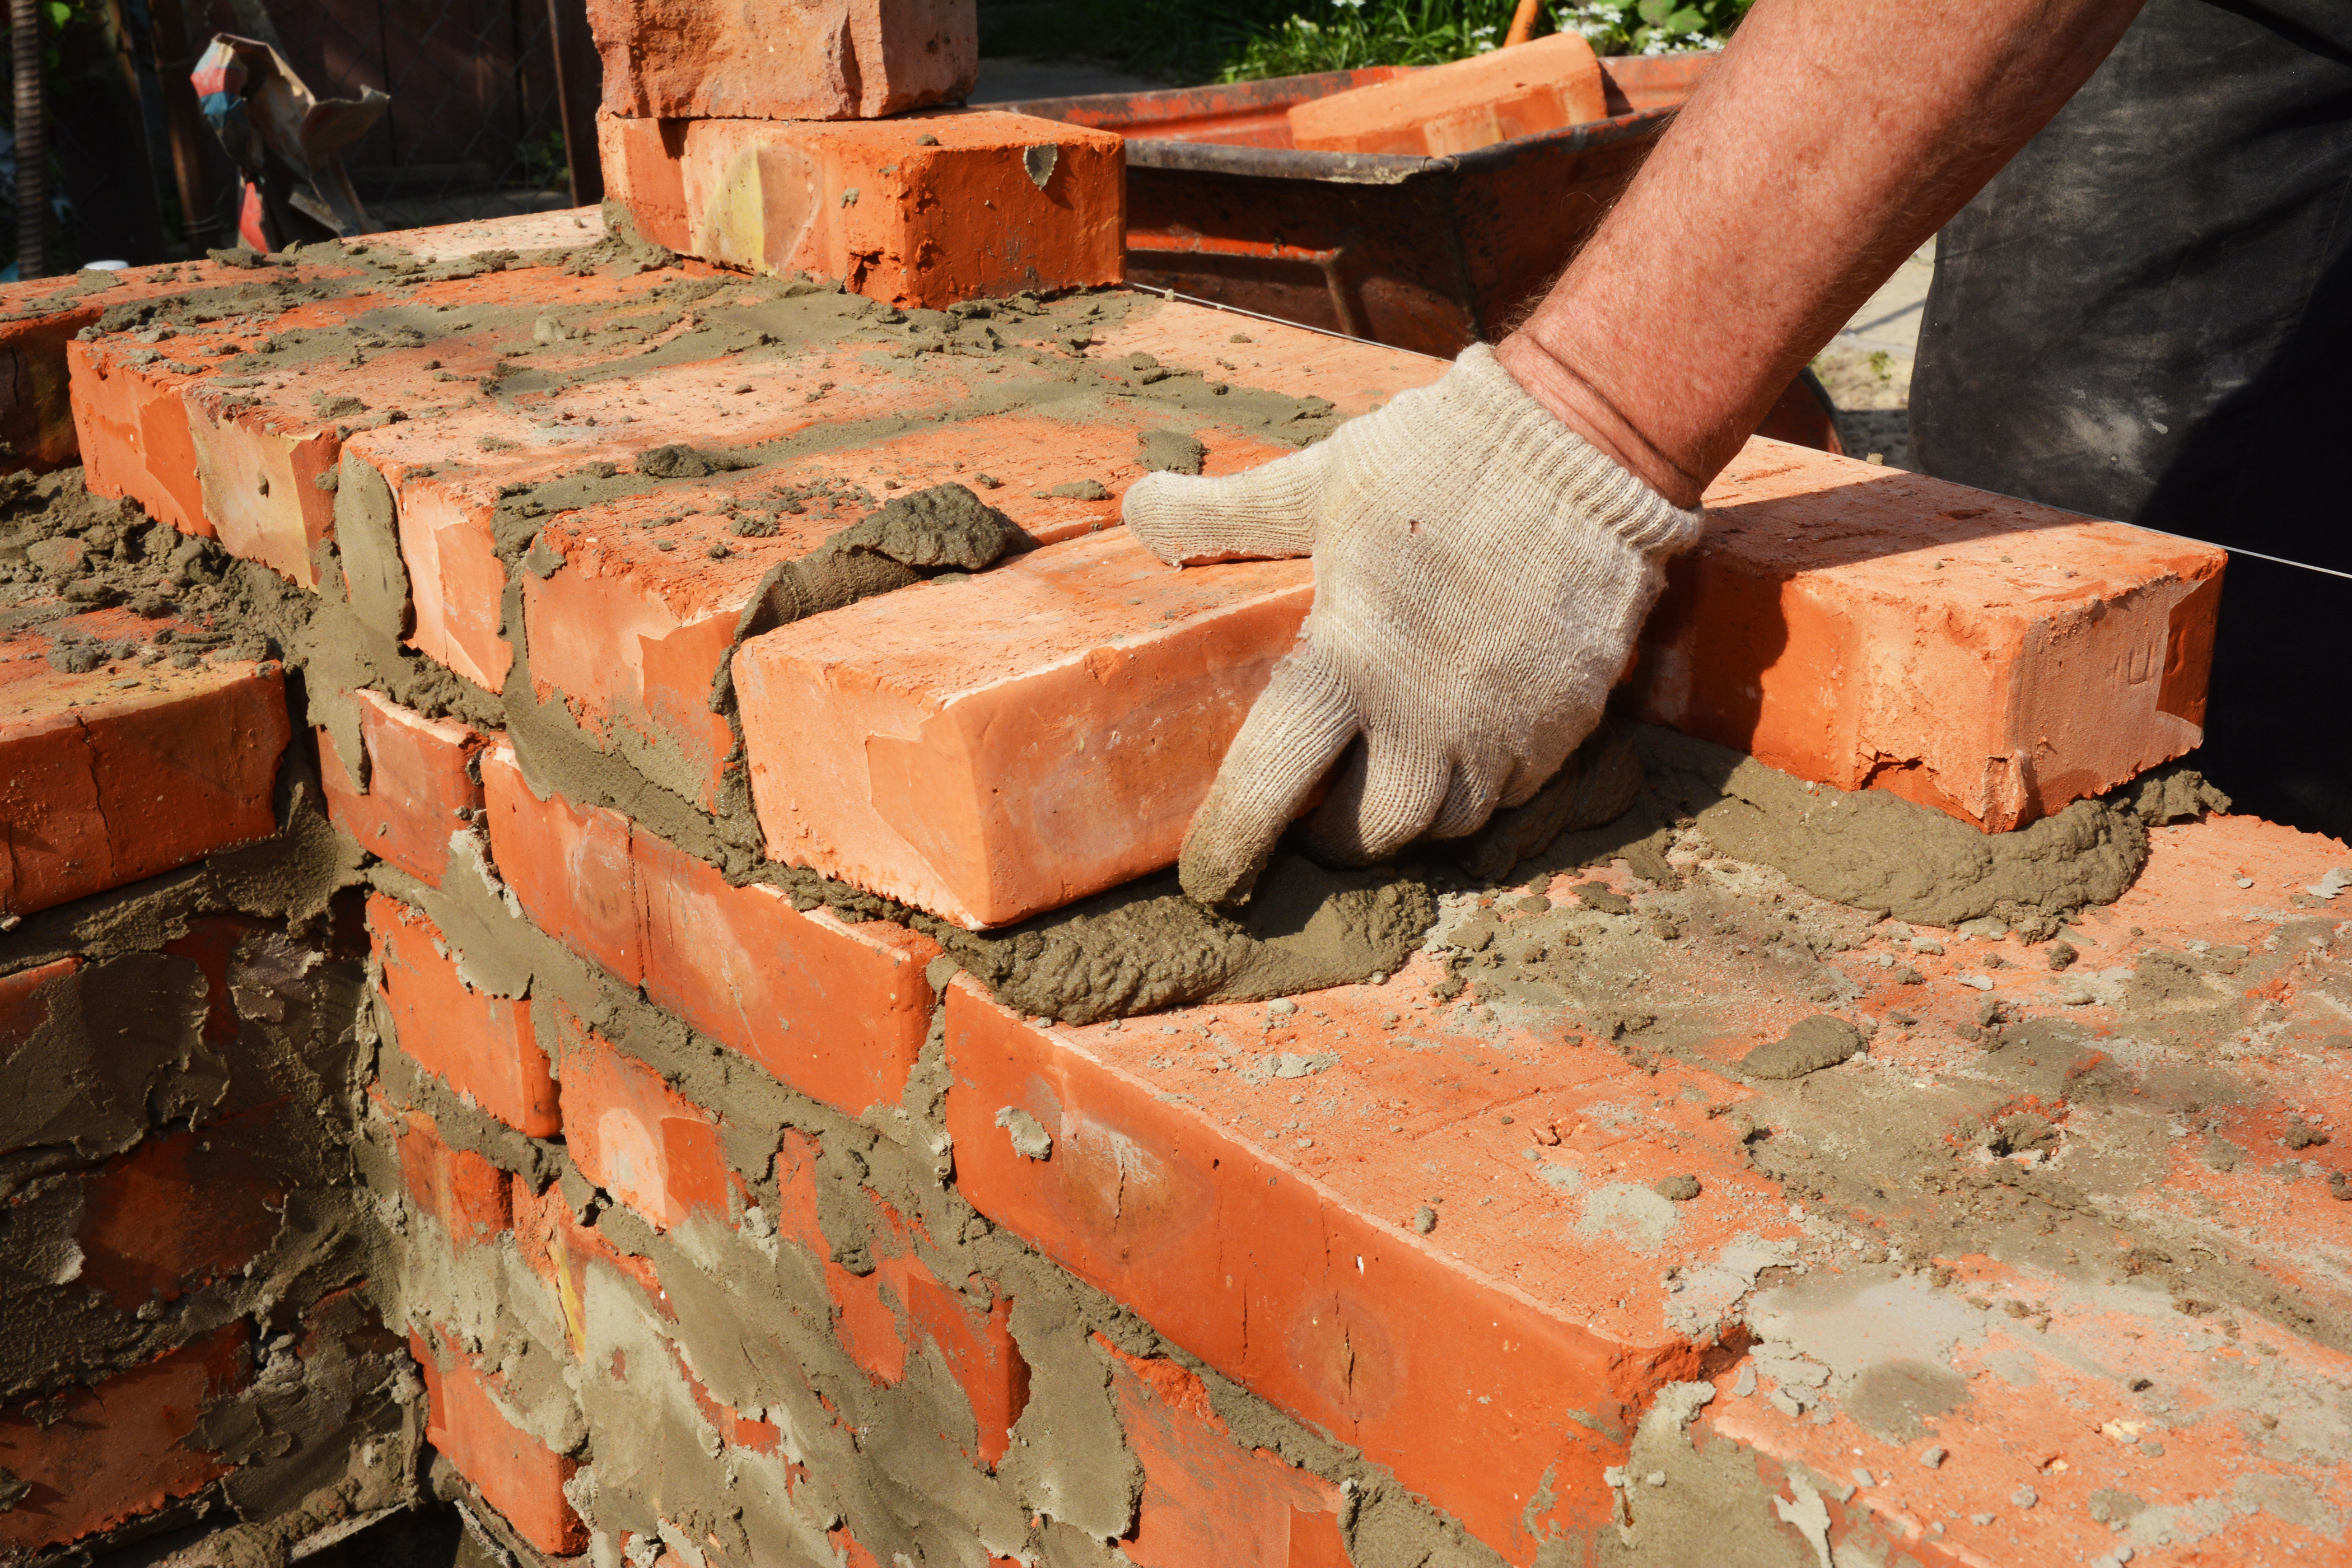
pixel 120 1448
pixel 993 203
pixel 1354 377
pixel 131 424
pixel 568 865
pixel 482 1046
pixel 843 60
pixel 181 1210
pixel 117 774
pixel 1206 1497
pixel 989 749
pixel 1478 1397
pixel 421 788
pixel 1867 627
pixel 515 1472
pixel 258 469
pixel 1546 85
pixel 468 1194
pixel 36 425
pixel 630 631
pixel 980 1354
pixel 634 1136
pixel 456 580
pixel 837 1011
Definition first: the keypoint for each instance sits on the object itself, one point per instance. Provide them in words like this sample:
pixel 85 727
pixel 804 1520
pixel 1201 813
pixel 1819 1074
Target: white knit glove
pixel 1480 574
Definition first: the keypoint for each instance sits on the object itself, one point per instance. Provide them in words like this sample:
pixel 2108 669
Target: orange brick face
pixel 635 1137
pixel 1206 1499
pixel 837 1011
pixel 992 204
pixel 832 59
pixel 1458 108
pixel 102 784
pixel 1866 628
pixel 421 787
pixel 991 754
pixel 1472 1398
pixel 482 1046
pixel 519 1475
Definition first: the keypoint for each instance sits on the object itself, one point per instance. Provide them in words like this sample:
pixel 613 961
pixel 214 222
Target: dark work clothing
pixel 2149 315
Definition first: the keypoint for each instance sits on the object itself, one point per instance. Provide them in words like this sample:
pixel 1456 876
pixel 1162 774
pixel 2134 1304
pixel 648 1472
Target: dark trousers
pixel 2148 315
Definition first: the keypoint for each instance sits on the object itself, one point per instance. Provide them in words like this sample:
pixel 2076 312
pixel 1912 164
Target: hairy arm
pixel 1831 141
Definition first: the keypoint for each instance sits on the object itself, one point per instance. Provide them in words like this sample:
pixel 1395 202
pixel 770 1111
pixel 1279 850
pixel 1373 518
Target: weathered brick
pixel 515 1472
pixel 118 1448
pixel 824 59
pixel 420 787
pixel 991 203
pixel 634 1136
pixel 1542 86
pixel 891 1311
pixel 469 1194
pixel 128 770
pixel 836 1011
pixel 481 1045
pixel 1206 1499
pixel 182 1210
pixel 989 748
pixel 1866 628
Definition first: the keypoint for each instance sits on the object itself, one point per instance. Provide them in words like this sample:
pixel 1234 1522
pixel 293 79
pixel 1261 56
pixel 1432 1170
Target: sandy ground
pixel 1867 367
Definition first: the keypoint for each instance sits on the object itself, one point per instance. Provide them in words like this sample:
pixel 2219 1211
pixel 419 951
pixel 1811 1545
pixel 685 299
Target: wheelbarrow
pixel 1424 253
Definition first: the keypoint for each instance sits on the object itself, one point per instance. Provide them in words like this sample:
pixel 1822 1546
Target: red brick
pixel 120 1448
pixel 1206 1497
pixel 836 1011
pixel 128 771
pixel 1866 628
pixel 181 1210
pixel 468 1194
pixel 421 788
pixel 1354 377
pixel 482 1046
pixel 1537 87
pixel 515 1472
pixel 838 60
pixel 634 1136
pixel 991 749
pixel 868 203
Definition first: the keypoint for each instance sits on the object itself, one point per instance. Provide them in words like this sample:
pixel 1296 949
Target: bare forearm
pixel 1832 139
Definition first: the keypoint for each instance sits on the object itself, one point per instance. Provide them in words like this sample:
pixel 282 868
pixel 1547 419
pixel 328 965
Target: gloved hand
pixel 1480 574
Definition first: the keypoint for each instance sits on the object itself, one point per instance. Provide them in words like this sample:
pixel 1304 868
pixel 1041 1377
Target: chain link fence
pixel 482 92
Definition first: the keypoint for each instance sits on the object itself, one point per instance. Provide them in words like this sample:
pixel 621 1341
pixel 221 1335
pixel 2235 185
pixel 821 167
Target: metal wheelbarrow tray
pixel 1431 254
pixel 1428 254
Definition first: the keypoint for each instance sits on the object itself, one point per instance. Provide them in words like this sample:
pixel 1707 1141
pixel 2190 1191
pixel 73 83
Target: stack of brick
pixel 723 1218
pixel 805 138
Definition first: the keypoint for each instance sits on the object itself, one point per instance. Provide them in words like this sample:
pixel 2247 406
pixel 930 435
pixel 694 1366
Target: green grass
pixel 1243 40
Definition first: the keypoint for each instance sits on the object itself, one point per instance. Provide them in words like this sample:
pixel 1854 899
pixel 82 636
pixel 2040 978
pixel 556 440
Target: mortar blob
pixel 1147 947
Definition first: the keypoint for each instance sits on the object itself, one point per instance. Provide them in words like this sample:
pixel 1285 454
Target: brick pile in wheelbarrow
pixel 703 917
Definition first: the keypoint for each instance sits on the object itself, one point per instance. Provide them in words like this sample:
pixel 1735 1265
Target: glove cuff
pixel 1579 474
